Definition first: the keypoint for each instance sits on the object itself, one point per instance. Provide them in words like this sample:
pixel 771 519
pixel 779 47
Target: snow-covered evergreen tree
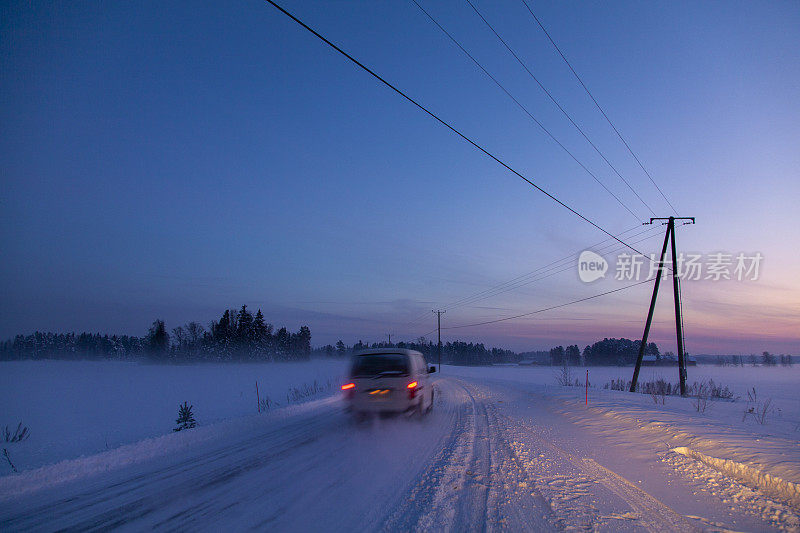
pixel 185 418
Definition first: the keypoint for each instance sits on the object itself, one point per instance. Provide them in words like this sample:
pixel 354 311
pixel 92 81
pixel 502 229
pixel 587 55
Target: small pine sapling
pixel 185 418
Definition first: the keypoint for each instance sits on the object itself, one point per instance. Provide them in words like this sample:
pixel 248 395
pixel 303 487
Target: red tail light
pixel 412 389
pixel 349 390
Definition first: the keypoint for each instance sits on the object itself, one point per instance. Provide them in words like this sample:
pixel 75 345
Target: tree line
pixel 766 359
pixel 619 352
pixel 607 352
pixel 240 335
pixel 453 353
pixel 237 336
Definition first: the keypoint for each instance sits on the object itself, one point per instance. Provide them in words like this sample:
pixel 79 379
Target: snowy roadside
pixel 86 408
pixel 765 456
pixel 15 485
pixel 761 457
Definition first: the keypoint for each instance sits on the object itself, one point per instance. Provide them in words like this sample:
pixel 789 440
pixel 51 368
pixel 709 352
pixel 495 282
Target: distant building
pixel 535 358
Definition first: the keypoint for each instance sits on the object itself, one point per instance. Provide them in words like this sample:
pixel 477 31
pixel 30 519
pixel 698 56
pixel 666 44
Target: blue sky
pixel 172 160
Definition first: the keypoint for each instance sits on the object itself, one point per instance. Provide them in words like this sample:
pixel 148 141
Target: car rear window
pixel 389 364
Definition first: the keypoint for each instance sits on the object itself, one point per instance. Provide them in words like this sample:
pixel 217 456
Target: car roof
pixel 378 351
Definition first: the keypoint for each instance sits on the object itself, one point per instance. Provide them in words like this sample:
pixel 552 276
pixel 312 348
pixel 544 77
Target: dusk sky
pixel 170 160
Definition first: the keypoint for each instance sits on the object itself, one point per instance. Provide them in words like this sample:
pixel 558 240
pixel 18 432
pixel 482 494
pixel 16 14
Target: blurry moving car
pixel 389 380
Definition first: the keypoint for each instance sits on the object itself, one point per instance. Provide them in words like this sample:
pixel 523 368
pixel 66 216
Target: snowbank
pixel 764 456
pixel 17 484
pixel 76 409
pixel 771 485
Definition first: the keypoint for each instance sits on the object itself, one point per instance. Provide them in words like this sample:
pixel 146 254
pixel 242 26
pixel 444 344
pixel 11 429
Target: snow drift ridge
pixel 770 484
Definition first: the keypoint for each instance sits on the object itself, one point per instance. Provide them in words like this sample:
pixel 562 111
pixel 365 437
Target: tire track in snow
pixel 471 485
pixel 514 503
pixel 652 513
pixel 472 507
pixel 569 484
pixel 431 503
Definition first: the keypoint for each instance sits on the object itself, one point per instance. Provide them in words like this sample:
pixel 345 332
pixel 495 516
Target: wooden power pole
pixel 439 330
pixel 670 236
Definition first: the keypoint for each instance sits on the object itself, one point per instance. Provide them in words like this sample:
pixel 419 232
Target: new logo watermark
pixel 591 266
pixel 715 266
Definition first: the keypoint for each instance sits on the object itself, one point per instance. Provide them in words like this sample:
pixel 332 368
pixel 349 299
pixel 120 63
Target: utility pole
pixel 439 329
pixel 390 338
pixel 670 235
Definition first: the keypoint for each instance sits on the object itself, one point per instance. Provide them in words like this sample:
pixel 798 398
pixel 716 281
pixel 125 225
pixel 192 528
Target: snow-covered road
pixel 491 456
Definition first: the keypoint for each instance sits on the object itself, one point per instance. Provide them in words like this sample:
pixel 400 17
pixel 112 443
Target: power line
pixel 520 284
pixel 550 269
pixel 550 308
pixel 553 307
pixel 431 331
pixel 543 275
pixel 525 109
pixel 568 267
pixel 451 128
pixel 525 279
pixel 524 66
pixel 486 152
pixel 585 88
pixel 456 303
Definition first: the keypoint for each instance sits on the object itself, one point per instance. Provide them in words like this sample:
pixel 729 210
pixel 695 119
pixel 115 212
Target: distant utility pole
pixel 390 338
pixel 439 329
pixel 676 296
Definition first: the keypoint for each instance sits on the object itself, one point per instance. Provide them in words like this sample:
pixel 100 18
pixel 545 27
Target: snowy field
pixel 780 384
pixel 764 453
pixel 506 447
pixel 80 408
